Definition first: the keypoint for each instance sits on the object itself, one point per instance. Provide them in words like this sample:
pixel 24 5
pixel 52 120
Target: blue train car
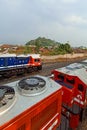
pixel 10 63
pixel 22 60
pixel 7 60
pixel 11 60
pixel 2 62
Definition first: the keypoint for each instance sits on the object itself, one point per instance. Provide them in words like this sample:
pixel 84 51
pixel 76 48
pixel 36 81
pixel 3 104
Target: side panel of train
pixel 10 65
pixel 13 61
pixel 43 116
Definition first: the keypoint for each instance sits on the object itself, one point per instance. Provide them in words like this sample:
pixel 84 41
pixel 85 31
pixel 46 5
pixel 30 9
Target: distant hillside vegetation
pixel 42 41
pixel 48 47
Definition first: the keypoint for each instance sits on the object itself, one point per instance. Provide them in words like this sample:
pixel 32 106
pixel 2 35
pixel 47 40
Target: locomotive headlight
pixel 51 76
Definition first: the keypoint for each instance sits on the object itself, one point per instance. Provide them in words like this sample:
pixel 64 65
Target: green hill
pixel 42 41
pixel 51 47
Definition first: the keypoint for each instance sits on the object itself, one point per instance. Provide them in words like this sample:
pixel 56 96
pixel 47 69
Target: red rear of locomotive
pixel 73 96
pixel 73 89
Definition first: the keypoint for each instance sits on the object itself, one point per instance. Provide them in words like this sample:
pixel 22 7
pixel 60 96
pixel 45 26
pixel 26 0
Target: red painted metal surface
pixel 35 62
pixel 73 96
pixel 45 114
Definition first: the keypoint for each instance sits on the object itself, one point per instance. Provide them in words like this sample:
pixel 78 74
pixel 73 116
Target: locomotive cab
pixel 73 89
pixel 35 61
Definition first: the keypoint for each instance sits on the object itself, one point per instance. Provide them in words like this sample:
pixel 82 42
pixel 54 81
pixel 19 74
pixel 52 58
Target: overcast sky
pixel 59 20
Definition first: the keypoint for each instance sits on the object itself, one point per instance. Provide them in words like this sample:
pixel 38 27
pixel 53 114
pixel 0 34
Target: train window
pixel 61 77
pixel 71 81
pixel 80 87
pixel 37 60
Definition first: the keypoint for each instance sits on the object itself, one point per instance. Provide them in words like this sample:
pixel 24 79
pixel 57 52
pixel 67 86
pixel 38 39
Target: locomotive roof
pixel 13 55
pixel 26 102
pixel 21 55
pixel 7 55
pixel 84 62
pixel 34 55
pixel 79 71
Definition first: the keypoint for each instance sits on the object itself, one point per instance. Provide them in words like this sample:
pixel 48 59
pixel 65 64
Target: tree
pixel 68 48
pixel 27 49
pixel 37 44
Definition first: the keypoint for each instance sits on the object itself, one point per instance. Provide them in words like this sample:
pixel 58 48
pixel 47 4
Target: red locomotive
pixel 73 79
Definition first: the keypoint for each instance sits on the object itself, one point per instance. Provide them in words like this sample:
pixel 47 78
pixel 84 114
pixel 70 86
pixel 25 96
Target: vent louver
pixel 31 86
pixel 7 96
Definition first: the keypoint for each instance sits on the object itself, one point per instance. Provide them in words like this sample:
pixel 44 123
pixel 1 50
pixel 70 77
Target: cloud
pixel 76 20
pixel 69 1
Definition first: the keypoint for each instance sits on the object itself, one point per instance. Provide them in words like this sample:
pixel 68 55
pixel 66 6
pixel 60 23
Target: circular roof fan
pixel 31 86
pixel 7 96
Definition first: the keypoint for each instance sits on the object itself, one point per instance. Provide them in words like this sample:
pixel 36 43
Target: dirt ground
pixel 66 57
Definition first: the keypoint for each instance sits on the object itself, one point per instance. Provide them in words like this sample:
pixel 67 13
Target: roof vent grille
pixel 31 86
